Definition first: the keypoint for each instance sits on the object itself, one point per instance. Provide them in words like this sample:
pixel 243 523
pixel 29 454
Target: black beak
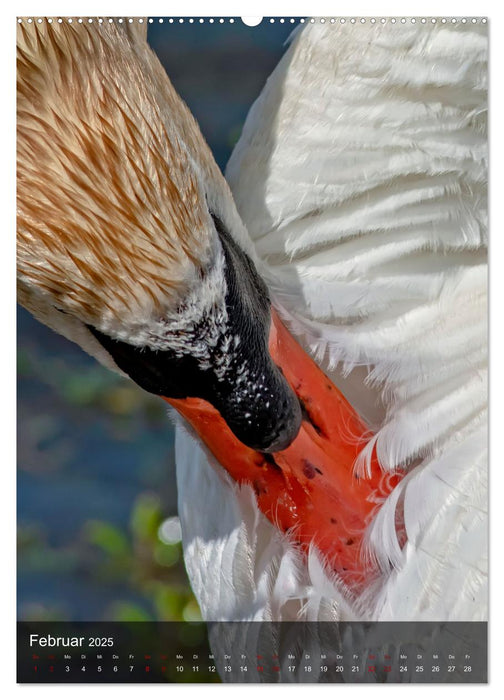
pixel 239 377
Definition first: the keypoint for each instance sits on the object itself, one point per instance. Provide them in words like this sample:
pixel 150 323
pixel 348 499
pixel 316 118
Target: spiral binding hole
pixel 255 21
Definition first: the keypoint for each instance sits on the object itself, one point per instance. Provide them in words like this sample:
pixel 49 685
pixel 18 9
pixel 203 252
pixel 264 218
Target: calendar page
pixel 252 349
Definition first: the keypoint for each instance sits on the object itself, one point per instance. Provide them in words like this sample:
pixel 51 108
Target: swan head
pixel 128 239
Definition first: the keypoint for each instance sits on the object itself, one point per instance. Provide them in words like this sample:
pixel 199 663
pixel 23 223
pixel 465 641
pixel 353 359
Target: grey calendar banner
pixel 252 652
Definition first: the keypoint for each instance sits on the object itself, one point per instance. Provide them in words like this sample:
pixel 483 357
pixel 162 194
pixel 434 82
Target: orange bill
pixel 310 490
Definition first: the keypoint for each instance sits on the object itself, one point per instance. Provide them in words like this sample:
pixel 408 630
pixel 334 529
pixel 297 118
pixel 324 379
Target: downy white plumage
pixel 361 177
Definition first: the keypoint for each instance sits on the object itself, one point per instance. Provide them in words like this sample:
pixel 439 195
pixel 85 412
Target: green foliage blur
pixel 152 568
pixel 131 557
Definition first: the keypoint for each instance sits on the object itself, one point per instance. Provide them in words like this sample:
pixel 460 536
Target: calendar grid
pixel 350 652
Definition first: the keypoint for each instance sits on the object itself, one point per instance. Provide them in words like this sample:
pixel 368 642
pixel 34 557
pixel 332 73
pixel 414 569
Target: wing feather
pixel 361 177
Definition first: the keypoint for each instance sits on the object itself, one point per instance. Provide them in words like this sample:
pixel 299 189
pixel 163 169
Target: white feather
pixel 361 177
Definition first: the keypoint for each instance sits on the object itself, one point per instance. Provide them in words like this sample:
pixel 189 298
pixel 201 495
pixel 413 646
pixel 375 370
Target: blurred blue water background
pixel 96 480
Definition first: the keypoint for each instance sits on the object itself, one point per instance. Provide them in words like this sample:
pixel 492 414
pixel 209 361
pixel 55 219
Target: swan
pixel 355 200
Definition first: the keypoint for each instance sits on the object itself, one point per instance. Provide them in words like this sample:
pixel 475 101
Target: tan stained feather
pixel 113 221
